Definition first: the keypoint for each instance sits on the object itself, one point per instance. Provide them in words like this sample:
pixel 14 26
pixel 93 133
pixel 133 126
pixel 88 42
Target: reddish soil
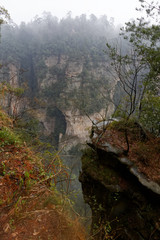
pixel 29 208
pixel 144 153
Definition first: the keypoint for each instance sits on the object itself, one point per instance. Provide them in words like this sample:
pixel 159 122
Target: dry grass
pixel 144 153
pixel 38 216
pixel 29 208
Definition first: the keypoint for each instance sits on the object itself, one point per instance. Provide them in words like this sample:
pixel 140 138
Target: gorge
pixel 58 87
pixel 58 84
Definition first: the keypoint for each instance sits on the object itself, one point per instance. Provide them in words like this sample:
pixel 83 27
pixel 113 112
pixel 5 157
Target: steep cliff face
pixel 64 65
pixel 73 92
pixel 123 192
pixel 77 91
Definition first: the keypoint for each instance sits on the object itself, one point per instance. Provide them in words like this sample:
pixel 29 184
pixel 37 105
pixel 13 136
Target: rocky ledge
pixel 132 168
pixel 122 190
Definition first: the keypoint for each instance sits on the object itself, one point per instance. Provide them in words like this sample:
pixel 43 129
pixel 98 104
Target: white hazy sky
pixel 26 10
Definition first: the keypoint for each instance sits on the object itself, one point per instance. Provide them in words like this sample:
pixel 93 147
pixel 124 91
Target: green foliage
pixel 8 137
pixel 54 199
pixel 12 96
pixel 16 91
pixel 122 124
pixel 150 113
pixel 4 119
pixel 138 70
pixel 144 35
pixel 8 88
pixel 28 128
pixel 4 15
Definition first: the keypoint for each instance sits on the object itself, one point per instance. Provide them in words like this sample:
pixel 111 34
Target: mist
pixel 120 11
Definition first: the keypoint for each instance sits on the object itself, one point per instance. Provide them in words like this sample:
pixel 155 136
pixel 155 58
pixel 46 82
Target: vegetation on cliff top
pixel 144 149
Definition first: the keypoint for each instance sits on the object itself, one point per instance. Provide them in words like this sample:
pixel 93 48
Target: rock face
pixel 73 81
pixel 124 203
pixel 71 86
pixel 11 92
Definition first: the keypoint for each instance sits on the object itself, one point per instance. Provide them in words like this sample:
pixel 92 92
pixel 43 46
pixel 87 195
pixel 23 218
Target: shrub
pixel 7 137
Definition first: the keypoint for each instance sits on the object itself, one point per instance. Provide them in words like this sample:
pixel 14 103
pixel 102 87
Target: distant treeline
pixel 81 39
pixel 47 35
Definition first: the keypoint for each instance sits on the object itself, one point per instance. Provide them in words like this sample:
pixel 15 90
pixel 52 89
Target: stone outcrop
pixel 124 202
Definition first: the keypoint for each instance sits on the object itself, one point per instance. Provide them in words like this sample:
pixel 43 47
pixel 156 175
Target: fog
pixel 121 11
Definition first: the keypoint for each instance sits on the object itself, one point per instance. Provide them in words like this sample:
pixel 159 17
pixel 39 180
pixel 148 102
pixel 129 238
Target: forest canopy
pixel 80 40
pixel 48 35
